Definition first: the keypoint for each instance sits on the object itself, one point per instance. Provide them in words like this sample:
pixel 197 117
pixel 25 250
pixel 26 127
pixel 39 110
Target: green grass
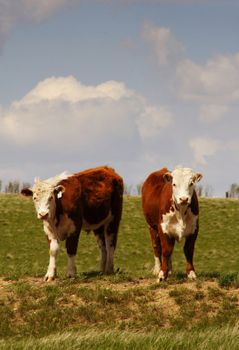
pixel 24 250
pixel 128 310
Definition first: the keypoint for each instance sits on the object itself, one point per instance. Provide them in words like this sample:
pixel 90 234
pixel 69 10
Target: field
pixel 128 310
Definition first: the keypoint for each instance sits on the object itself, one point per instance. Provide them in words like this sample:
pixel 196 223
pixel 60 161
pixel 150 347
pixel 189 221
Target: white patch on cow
pixel 54 181
pixel 51 271
pixel 88 227
pixel 178 224
pixel 157 266
pixel 192 275
pixel 71 267
pixel 161 276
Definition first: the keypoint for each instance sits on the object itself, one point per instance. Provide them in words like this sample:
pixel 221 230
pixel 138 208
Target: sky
pixel 137 85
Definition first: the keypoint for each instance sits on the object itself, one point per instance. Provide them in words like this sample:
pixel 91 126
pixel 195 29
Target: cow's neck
pixel 180 210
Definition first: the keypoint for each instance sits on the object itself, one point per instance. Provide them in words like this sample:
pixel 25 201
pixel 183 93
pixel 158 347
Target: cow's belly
pixel 178 226
pixel 93 226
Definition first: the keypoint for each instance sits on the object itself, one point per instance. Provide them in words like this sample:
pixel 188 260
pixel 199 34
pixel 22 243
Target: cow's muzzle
pixel 184 200
pixel 42 216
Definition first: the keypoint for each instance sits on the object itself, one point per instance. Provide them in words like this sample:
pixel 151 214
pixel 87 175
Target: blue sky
pixel 134 84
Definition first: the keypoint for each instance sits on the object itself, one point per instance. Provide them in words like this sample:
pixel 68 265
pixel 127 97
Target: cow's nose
pixel 43 215
pixel 184 200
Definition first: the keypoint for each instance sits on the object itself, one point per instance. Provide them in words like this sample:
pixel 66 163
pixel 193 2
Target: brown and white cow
pixel 170 206
pixel 89 200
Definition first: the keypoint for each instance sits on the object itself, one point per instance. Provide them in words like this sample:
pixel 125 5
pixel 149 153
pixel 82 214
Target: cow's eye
pixel 174 185
pixel 191 183
pixel 34 198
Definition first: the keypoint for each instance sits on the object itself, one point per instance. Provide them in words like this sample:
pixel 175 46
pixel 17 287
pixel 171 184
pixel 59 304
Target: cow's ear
pixel 26 192
pixel 59 190
pixel 168 177
pixel 197 177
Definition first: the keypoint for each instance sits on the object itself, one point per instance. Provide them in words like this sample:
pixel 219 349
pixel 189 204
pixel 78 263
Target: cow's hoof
pixel 161 277
pixel 155 270
pixel 192 275
pixel 109 270
pixel 71 273
pixel 49 278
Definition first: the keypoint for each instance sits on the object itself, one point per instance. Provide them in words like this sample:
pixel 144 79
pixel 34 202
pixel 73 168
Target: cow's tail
pixel 116 206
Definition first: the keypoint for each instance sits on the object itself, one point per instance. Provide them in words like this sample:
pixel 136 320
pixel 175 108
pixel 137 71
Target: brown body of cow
pixel 89 200
pixel 158 206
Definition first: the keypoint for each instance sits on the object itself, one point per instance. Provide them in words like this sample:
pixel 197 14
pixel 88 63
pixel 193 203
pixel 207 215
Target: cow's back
pixel 93 192
pixel 156 197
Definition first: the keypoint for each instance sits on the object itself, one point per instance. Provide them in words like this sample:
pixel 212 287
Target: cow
pixel 88 200
pixel 171 210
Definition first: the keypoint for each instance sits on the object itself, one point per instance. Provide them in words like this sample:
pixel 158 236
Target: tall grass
pixel 216 338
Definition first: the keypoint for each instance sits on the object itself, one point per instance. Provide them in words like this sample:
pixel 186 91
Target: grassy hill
pixel 127 310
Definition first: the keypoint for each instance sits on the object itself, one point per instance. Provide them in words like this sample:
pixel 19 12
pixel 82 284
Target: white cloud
pixel 212 113
pixel 14 11
pixel 215 82
pixel 63 115
pixel 152 120
pixel 204 147
pixel 166 48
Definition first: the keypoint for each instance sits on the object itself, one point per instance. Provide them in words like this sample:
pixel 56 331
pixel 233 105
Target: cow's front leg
pixel 156 249
pixel 71 248
pixel 53 251
pixel 167 244
pixel 189 251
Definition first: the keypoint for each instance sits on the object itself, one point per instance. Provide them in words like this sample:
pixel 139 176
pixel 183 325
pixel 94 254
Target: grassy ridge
pixel 127 310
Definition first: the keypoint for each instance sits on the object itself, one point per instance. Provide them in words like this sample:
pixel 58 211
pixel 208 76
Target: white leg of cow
pixel 51 271
pixel 161 276
pixel 71 266
pixel 103 252
pixel 110 248
pixel 157 266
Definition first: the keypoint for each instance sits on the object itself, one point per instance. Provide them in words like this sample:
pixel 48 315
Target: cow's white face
pixel 183 184
pixel 44 201
pixel 44 198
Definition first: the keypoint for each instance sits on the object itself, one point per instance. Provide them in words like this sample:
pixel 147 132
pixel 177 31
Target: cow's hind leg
pixel 156 249
pixel 111 235
pixel 71 248
pixel 189 251
pixel 100 236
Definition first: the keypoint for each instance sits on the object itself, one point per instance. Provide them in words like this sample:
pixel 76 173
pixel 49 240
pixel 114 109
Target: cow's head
pixel 183 184
pixel 44 197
